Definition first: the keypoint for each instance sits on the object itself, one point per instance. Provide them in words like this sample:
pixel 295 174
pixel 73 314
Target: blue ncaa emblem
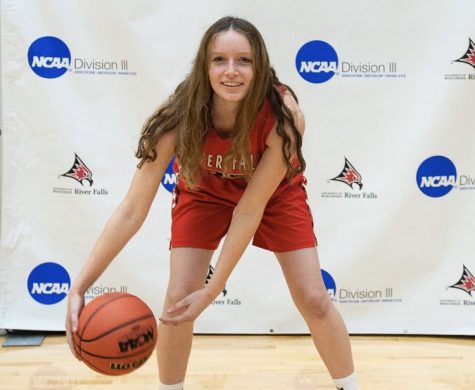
pixel 169 178
pixel 49 283
pixel 49 57
pixel 436 176
pixel 330 284
pixel 316 61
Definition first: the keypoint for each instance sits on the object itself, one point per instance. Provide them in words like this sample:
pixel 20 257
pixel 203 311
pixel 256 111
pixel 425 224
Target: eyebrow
pixel 239 53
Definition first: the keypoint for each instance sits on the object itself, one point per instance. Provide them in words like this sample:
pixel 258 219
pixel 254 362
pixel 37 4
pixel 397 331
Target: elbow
pixel 131 216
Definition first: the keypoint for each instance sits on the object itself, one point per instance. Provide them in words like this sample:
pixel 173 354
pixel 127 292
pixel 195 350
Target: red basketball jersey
pixel 201 217
pixel 215 150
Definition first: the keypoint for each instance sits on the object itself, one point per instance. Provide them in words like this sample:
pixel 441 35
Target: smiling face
pixel 230 70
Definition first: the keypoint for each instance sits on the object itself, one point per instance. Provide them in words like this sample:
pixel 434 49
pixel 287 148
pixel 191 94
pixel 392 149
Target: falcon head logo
pixel 79 171
pixel 209 276
pixel 349 175
pixel 469 56
pixel 466 282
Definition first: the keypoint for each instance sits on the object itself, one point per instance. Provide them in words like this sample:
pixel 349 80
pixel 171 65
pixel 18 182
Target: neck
pixel 223 114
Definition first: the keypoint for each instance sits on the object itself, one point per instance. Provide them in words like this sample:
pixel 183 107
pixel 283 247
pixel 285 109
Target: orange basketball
pixel 116 333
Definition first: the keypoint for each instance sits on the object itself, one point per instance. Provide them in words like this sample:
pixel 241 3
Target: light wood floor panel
pixel 257 363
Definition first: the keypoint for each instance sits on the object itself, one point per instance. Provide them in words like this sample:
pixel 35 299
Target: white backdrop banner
pixel 387 89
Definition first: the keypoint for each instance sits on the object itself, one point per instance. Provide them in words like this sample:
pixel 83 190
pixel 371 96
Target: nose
pixel 231 69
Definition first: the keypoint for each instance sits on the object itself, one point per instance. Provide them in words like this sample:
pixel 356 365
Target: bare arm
pixel 123 224
pixel 129 215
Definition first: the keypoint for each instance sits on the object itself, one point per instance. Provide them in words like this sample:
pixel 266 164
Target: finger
pixel 71 328
pixel 183 304
pixel 167 322
pixel 176 320
pixel 70 340
pixel 74 322
pixel 168 319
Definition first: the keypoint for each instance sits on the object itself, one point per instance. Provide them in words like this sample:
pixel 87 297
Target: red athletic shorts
pixel 200 219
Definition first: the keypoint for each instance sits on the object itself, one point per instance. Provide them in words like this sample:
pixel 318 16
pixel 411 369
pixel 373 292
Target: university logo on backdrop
pixel 82 175
pixel 466 282
pixel 351 181
pixel 464 62
pixel 79 172
pixel 50 57
pixel 222 301
pixel 350 176
pixel 469 56
pixel 460 292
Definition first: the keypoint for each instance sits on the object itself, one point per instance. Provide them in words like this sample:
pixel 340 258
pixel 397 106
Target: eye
pixel 246 60
pixel 218 59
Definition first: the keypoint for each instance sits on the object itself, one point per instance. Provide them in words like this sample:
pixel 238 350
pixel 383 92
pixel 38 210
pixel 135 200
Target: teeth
pixel 231 84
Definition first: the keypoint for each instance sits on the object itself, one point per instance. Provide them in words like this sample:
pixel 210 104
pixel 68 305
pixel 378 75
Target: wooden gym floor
pixel 225 362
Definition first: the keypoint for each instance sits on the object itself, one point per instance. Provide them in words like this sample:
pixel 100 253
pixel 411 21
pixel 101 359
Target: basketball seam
pixel 120 357
pixel 95 367
pixel 112 373
pixel 97 310
pixel 116 328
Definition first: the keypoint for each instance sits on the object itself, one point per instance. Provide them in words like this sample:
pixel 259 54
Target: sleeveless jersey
pixel 215 150
pixel 202 216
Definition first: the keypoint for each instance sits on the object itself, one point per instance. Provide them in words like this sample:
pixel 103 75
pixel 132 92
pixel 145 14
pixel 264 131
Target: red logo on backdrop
pixel 466 282
pixel 349 175
pixel 79 171
pixel 469 56
pixel 209 276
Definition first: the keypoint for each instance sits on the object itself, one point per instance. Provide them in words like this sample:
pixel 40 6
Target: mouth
pixel 231 84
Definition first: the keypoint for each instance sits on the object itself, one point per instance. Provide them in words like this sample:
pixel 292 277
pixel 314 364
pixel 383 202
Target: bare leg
pixel 302 273
pixel 188 270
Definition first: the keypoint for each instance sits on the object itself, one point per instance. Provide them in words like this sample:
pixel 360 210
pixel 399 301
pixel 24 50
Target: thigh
pixel 301 269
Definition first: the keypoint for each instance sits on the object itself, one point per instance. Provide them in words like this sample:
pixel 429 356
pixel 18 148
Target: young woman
pixel 237 134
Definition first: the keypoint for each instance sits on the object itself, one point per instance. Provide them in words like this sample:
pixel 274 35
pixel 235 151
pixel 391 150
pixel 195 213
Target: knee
pixel 176 294
pixel 315 304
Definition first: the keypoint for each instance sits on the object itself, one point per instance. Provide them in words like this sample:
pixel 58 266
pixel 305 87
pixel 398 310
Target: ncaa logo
pixel 169 178
pixel 316 61
pixel 49 283
pixel 436 176
pixel 330 284
pixel 49 57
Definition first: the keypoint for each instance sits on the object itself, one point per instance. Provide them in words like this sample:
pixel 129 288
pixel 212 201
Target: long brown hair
pixel 188 109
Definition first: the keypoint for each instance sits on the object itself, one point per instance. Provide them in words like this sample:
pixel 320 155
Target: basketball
pixel 116 333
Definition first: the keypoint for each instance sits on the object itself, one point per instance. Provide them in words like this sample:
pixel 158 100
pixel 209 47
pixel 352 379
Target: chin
pixel 234 98
pixel 231 98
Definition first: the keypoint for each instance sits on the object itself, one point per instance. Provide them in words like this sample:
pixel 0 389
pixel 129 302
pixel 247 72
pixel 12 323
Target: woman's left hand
pixel 189 308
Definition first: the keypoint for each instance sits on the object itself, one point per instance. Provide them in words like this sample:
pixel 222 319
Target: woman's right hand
pixel 75 304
